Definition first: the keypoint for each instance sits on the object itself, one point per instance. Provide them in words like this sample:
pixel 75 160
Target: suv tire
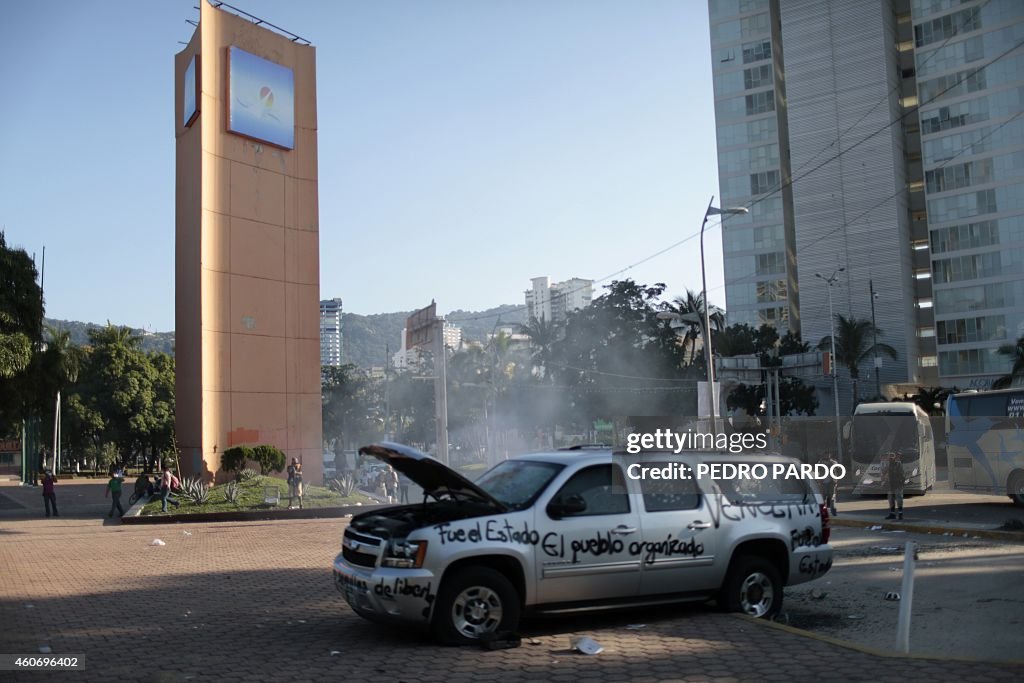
pixel 753 587
pixel 473 605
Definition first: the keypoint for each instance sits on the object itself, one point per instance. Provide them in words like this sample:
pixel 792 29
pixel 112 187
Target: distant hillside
pixel 151 341
pixel 368 338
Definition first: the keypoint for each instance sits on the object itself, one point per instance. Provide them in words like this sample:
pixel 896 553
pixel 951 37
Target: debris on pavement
pixel 157 541
pixel 587 646
pixel 892 596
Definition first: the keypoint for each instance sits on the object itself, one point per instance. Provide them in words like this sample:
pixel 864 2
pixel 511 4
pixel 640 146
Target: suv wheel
pixel 752 587
pixel 473 605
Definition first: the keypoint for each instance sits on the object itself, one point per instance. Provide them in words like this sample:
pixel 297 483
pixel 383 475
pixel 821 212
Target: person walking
pixel 403 489
pixel 168 482
pixel 391 485
pixel 830 486
pixel 114 492
pixel 49 497
pixel 294 483
pixel 894 477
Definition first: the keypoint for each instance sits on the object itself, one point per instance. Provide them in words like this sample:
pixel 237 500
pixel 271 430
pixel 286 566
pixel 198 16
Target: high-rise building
pixel 820 136
pixel 332 338
pixel 554 302
pixel 970 75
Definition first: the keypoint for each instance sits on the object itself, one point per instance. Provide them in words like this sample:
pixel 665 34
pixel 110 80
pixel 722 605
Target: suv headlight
pixel 405 554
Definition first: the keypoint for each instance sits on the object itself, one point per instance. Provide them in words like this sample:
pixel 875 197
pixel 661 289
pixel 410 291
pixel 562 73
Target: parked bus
pixel 883 428
pixel 986 442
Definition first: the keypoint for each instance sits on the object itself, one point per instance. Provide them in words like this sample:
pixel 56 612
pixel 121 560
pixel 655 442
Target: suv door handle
pixel 693 526
pixel 622 529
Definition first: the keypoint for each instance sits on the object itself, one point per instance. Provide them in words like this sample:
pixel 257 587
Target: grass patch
pixel 251 495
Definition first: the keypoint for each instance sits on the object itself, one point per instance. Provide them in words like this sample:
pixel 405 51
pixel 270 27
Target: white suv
pixel 573 530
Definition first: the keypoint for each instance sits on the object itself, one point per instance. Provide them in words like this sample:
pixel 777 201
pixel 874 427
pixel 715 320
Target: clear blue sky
pixel 465 147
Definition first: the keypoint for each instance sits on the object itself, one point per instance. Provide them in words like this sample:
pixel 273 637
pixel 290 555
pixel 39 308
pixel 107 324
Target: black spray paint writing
pixel 811 565
pixel 721 509
pixel 495 531
pixel 669 547
pixel 804 538
pixel 405 588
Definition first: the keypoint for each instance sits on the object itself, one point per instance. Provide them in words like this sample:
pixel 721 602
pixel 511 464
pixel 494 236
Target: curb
pixel 991 534
pixel 250 515
pixel 871 650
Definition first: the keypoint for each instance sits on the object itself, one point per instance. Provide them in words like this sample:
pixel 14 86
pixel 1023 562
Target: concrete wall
pixel 247 263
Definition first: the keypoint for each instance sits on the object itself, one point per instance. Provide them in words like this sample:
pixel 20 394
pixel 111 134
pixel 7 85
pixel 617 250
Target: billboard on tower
pixel 261 99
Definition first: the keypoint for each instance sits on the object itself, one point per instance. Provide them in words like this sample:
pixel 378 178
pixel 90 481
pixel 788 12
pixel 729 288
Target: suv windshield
pixel 517 483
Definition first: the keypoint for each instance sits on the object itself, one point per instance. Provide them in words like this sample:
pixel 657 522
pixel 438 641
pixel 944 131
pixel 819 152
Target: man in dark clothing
pixel 49 497
pixel 894 477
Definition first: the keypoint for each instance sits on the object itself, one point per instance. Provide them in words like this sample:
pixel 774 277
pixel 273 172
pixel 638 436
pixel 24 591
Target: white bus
pixel 985 433
pixel 882 428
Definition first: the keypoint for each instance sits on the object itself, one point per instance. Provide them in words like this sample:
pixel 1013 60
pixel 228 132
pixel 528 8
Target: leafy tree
pixel 270 458
pixel 352 406
pixel 234 459
pixel 618 359
pixel 21 318
pixel 854 345
pixel 131 392
pixel 1015 352
pixel 795 397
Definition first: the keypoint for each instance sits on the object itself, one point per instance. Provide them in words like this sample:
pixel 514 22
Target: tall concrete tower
pixel 247 246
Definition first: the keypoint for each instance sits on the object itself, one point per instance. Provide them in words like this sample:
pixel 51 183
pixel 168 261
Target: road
pixel 254 601
pixel 967 601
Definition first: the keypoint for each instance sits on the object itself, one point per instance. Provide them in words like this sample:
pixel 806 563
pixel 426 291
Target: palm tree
pixel 692 305
pixel 854 345
pixel 543 336
pixel 1015 352
pixel 63 359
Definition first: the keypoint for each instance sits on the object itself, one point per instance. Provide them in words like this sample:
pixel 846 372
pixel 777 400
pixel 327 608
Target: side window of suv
pixel 601 487
pixel 662 495
pixel 767 490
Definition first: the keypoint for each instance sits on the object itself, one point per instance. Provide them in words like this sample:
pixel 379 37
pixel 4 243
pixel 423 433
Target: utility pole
pixel 441 390
pixel 874 350
pixel 831 280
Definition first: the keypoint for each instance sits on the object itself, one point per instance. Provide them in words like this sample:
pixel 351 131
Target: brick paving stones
pixel 254 601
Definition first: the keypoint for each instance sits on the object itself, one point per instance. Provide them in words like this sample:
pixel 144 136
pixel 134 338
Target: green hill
pixel 368 338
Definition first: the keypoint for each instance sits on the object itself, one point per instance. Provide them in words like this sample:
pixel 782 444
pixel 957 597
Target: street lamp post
pixel 874 351
pixel 709 361
pixel 831 280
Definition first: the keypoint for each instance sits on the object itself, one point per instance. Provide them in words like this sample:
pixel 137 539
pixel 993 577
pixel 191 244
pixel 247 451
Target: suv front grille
pixel 358 558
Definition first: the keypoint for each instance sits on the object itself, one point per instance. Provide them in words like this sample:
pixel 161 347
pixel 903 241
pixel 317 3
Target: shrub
pixel 232 491
pixel 345 485
pixel 195 491
pixel 270 458
pixel 235 458
pixel 248 474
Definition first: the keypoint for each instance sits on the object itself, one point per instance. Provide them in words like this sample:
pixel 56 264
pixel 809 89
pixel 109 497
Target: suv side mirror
pixel 570 505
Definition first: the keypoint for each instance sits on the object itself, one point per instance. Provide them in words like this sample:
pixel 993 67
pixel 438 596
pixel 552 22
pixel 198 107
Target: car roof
pixel 592 455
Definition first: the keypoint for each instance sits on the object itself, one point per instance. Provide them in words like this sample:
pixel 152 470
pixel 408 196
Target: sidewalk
pixel 941 511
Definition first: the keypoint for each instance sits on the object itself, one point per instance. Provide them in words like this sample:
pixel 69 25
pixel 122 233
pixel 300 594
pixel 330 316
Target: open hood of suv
pixel 435 477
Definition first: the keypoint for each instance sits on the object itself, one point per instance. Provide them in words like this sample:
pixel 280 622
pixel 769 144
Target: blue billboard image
pixel 191 92
pixel 261 99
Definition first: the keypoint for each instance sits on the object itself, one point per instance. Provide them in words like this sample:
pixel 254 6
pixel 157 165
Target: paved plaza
pixel 254 601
